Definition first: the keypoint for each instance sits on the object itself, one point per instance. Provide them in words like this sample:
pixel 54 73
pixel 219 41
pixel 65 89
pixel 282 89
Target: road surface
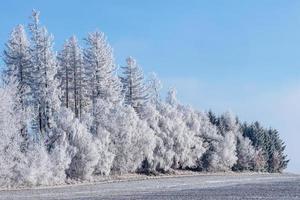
pixel 230 186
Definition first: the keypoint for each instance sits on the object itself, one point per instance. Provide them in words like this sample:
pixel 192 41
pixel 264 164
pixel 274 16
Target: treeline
pixel 71 115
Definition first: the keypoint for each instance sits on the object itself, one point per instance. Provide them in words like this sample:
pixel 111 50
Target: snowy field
pixel 219 186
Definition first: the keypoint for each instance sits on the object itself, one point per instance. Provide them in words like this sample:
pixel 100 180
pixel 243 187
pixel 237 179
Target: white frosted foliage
pixel 68 117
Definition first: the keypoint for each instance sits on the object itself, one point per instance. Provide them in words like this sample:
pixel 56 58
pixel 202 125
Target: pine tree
pixel 171 97
pixel 64 74
pixel 134 90
pixel 17 59
pixel 42 83
pixel 154 89
pixel 277 161
pixel 269 146
pixel 72 77
pixel 100 68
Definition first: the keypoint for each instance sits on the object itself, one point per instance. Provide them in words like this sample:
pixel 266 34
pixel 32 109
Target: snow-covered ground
pixel 188 186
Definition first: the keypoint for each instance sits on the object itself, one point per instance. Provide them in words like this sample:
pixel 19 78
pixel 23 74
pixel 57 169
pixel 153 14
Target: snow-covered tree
pixel 245 154
pixel 65 74
pixel 82 150
pixel 12 159
pixel 106 157
pixel 28 166
pixel 134 89
pixel 131 139
pixel 260 160
pixel 179 132
pixel 222 155
pixel 183 124
pixel 171 97
pixel 43 85
pixel 163 153
pixel 277 160
pixel 72 77
pixel 154 89
pixel 17 59
pixel 269 147
pixel 100 68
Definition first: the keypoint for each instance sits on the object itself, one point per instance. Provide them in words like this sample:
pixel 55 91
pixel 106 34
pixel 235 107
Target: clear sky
pixel 242 56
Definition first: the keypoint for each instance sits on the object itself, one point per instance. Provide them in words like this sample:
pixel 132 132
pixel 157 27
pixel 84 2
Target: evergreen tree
pixel 269 145
pixel 100 68
pixel 17 59
pixel 72 77
pixel 277 160
pixel 42 84
pixel 134 89
pixel 222 154
pixel 213 118
pixel 154 89
pixel 171 97
pixel 245 153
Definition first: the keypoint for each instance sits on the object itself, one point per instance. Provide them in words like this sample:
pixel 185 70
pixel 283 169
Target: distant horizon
pixel 238 56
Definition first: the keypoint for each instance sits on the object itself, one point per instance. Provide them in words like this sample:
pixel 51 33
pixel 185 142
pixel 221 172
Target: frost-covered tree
pixel 270 148
pixel 171 97
pixel 82 148
pixel 101 135
pixel 277 159
pixel 65 74
pixel 42 84
pixel 163 153
pixel 100 68
pixel 134 89
pixel 17 60
pixel 154 89
pixel 28 166
pixel 131 139
pixel 245 153
pixel 72 77
pixel 106 156
pixel 223 155
pixel 12 159
pixel 260 160
pixel 179 132
pixel 182 125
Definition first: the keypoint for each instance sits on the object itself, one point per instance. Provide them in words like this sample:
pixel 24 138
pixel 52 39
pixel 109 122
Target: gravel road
pixel 229 186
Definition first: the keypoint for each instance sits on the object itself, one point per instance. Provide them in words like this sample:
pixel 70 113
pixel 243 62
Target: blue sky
pixel 241 56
